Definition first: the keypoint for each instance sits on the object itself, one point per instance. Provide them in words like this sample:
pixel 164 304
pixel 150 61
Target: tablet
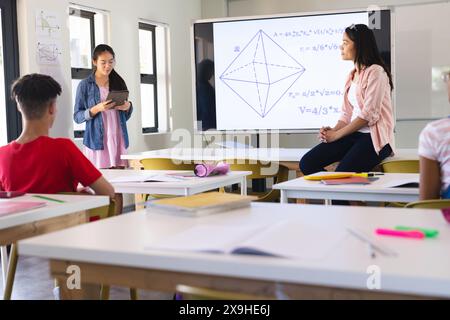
pixel 119 97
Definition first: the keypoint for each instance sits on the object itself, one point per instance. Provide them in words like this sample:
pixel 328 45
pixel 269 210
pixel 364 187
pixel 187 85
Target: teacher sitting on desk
pixel 363 136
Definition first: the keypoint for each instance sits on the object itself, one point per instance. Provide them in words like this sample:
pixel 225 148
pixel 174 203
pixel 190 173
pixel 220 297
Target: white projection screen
pixel 283 73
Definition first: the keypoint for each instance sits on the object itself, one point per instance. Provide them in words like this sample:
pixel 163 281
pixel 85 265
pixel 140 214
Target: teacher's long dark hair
pixel 116 82
pixel 367 52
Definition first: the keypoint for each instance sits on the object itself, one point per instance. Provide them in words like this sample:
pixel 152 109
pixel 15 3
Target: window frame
pixel 83 73
pixel 11 69
pixel 151 78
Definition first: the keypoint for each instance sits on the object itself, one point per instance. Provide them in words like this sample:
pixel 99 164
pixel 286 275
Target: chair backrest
pixel 100 212
pixel 103 212
pixel 166 164
pixel 256 167
pixel 430 204
pixel 194 293
pixel 400 166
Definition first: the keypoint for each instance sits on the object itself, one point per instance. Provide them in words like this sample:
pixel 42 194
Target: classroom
pixel 224 150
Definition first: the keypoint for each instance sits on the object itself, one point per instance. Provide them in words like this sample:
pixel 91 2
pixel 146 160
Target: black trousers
pixel 354 152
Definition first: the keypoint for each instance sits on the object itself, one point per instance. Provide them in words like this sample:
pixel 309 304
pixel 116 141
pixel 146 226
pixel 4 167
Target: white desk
pixel 262 154
pixel 421 267
pixel 190 186
pixel 379 190
pixel 53 216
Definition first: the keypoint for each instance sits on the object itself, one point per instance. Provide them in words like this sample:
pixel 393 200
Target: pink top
pixel 434 144
pixel 113 142
pixel 373 94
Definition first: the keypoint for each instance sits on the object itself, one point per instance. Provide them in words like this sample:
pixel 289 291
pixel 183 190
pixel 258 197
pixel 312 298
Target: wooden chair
pixel 256 168
pixel 430 204
pixel 194 293
pixel 93 214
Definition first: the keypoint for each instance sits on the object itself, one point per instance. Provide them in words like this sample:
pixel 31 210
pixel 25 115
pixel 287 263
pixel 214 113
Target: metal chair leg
pixel 133 294
pixel 105 292
pixel 4 252
pixel 11 272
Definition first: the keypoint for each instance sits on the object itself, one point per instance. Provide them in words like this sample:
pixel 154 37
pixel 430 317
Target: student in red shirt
pixel 36 163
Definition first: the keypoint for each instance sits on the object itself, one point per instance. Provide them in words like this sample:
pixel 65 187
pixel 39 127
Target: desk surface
pixel 421 267
pixel 385 182
pixel 380 190
pixel 72 203
pixel 190 185
pixel 263 154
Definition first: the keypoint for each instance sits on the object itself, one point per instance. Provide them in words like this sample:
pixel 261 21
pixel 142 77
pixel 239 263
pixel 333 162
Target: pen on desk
pixel 371 251
pixel 48 198
pixel 367 174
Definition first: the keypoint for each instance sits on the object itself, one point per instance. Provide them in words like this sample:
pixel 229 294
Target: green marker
pixel 429 233
pixel 49 199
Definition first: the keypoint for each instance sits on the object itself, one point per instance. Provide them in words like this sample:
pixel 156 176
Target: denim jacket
pixel 88 95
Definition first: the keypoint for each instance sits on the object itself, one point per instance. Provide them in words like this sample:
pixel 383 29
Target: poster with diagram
pixel 48 24
pixel 48 38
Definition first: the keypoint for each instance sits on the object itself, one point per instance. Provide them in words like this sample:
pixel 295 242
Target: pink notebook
pixel 351 180
pixel 8 207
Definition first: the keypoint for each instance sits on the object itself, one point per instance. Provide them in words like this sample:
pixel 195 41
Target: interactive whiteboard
pixel 282 73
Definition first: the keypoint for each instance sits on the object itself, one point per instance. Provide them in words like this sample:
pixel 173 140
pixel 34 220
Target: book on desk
pixel 201 204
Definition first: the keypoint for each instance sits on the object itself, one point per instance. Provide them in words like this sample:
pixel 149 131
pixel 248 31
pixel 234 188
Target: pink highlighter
pixel 401 233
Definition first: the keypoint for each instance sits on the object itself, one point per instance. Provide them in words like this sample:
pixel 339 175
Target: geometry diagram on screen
pixel 262 73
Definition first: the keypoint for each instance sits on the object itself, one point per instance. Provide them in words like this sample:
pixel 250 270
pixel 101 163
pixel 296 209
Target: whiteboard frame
pixel 274 16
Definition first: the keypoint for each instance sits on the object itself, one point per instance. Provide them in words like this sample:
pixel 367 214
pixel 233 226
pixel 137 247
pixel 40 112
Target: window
pixel 82 43
pixel 149 89
pixel 10 119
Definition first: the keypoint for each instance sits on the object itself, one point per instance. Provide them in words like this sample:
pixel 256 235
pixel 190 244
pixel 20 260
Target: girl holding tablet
pixel 106 135
pixel 364 134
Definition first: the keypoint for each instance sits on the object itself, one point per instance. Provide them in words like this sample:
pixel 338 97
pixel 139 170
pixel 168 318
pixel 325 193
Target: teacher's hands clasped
pixel 328 134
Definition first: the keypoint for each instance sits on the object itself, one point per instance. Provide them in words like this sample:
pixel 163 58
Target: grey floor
pixel 33 282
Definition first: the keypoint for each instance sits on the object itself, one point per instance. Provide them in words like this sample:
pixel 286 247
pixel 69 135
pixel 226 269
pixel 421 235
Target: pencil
pixel 49 199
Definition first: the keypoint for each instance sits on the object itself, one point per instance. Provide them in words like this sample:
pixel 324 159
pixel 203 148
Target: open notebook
pixel 9 207
pixel 286 239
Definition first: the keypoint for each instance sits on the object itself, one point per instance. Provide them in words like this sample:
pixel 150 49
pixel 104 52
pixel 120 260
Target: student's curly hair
pixel 34 93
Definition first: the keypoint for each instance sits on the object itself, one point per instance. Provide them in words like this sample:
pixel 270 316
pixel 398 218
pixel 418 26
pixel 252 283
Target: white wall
pixel 124 17
pixel 407 132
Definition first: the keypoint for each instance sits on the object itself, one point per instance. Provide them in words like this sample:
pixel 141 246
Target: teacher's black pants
pixel 354 152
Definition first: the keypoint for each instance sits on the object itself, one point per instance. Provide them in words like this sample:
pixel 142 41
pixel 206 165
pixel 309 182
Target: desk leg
pixel 283 196
pixel 244 186
pixel 138 198
pixel 4 252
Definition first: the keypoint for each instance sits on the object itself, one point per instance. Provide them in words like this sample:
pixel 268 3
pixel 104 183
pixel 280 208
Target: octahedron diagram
pixel 262 73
